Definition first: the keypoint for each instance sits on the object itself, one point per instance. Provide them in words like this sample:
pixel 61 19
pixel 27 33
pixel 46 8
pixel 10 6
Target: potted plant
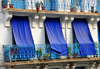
pixel 96 49
pixel 11 5
pixel 4 4
pixel 96 12
pixel 39 53
pixel 75 55
pixel 43 7
pixel 37 5
pixel 92 9
pixel 75 9
pixel 69 52
pixel 72 9
pixel 46 56
pixel 82 11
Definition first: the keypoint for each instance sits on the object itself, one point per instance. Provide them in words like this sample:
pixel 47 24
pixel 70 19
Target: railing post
pixel 10 54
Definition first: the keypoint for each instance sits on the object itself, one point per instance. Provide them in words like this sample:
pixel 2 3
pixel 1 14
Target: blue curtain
pixel 55 36
pixel 23 36
pixel 86 43
pixel 99 23
pixel 99 35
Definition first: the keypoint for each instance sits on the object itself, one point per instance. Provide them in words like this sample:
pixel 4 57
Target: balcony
pixel 61 6
pixel 42 54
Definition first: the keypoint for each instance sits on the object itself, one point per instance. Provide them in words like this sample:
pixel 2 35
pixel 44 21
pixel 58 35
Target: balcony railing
pixel 43 52
pixel 55 5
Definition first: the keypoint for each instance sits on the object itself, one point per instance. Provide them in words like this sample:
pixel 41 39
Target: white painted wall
pixel 69 35
pixel 5 33
pixel 94 33
pixel 2 42
pixel 38 36
pixel 1 37
pixel 0 5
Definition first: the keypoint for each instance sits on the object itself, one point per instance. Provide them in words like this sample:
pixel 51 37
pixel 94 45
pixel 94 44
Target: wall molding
pixel 69 22
pixel 90 21
pixel 67 66
pixel 92 65
pixel 41 20
pixel 64 20
pixel 73 65
pixel 35 18
pixel 7 19
pixel 96 19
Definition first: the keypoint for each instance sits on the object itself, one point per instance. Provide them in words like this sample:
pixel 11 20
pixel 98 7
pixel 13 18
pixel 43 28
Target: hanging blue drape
pixel 99 35
pixel 86 43
pixel 55 36
pixel 23 36
pixel 99 23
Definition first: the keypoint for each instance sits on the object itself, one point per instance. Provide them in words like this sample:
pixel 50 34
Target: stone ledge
pixel 51 12
pixel 51 61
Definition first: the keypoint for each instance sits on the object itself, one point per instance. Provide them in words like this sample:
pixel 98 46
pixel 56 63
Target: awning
pixel 22 35
pixel 55 36
pixel 86 43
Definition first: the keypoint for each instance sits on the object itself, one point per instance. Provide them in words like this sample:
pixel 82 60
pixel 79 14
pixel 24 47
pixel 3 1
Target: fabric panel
pixel 84 37
pixel 55 36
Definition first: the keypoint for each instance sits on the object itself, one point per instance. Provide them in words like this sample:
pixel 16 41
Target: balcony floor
pixel 50 12
pixel 50 61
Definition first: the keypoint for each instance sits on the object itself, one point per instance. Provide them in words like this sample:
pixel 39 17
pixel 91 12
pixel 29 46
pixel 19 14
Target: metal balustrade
pixel 55 5
pixel 43 52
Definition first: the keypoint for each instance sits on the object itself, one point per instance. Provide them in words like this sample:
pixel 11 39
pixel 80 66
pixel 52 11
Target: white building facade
pixel 36 21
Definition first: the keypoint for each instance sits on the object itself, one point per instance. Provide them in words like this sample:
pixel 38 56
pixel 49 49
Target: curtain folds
pixel 86 43
pixel 23 37
pixel 55 36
